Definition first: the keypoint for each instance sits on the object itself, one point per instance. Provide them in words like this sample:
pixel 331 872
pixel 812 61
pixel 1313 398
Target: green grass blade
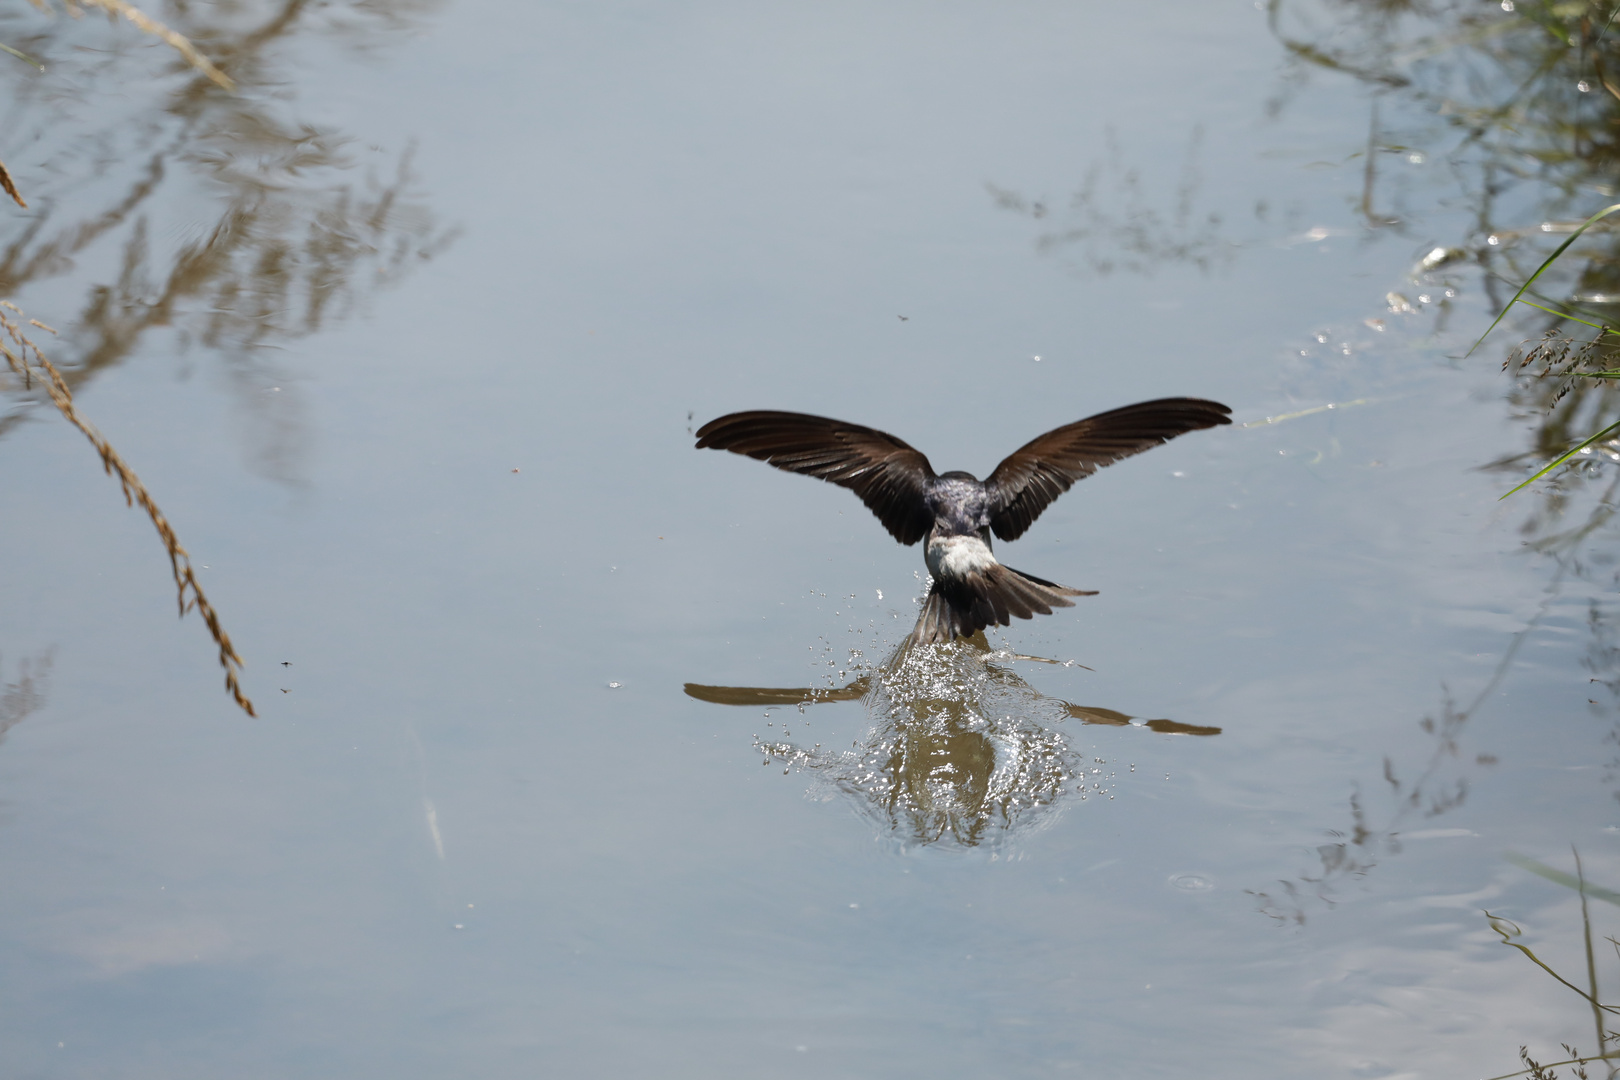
pixel 24 57
pixel 1599 437
pixel 1569 881
pixel 1565 315
pixel 1587 224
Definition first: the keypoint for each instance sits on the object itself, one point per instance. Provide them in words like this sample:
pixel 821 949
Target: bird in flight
pixel 954 512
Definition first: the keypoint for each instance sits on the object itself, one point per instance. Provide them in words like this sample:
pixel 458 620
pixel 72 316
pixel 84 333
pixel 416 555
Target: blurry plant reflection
pixel 26 695
pixel 1520 102
pixel 223 219
pixel 1113 221
pixel 961 749
pixel 1438 786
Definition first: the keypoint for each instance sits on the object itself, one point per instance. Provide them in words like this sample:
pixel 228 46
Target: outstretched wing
pixel 1041 470
pixel 890 477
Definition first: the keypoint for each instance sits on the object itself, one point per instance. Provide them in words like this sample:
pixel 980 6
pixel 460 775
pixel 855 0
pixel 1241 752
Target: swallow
pixel 954 512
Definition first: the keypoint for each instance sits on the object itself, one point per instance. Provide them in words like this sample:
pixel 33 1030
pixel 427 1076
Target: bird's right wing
pixel 1033 475
pixel 890 477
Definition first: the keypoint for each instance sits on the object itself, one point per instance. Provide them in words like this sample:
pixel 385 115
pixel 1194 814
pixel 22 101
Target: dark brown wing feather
pixel 1046 467
pixel 890 477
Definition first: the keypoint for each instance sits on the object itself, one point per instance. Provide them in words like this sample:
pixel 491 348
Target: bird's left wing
pixel 890 477
pixel 1039 471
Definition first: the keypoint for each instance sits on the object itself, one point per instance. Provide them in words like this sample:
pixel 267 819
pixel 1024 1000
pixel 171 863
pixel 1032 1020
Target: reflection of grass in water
pixel 18 699
pixel 190 593
pixel 1509 931
pixel 1113 223
pixel 231 224
pixel 1439 787
pixel 142 22
pixel 1522 102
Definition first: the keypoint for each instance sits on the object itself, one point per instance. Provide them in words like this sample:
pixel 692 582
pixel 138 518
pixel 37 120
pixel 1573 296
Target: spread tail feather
pixel 987 597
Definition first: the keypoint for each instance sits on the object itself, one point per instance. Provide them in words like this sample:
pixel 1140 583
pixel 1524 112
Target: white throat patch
pixel 957 556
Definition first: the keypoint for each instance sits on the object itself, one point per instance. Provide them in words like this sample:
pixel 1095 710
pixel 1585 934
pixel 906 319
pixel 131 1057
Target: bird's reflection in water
pixel 961 750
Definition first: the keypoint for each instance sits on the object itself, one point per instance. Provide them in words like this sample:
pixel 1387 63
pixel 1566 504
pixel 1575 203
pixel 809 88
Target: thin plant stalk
pixel 1571 318
pixel 1566 455
pixel 1591 961
pixel 1497 923
pixel 176 41
pixel 189 592
pixel 1558 877
pixel 24 57
pixel 1611 1056
pixel 9 187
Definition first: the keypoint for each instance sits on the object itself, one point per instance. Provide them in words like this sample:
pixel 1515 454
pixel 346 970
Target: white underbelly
pixel 957 556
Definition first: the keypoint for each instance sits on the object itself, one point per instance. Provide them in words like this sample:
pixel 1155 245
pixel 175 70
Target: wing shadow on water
pixel 961 750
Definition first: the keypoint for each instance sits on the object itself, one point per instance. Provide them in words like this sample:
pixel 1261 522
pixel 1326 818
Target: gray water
pixel 408 339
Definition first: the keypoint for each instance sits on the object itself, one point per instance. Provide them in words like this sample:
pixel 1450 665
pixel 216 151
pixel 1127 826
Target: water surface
pixel 408 339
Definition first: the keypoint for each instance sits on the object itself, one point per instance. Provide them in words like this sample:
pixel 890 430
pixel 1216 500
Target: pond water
pixel 579 752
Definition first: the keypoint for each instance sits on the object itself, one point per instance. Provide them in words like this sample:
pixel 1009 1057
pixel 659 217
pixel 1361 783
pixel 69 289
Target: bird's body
pixel 955 513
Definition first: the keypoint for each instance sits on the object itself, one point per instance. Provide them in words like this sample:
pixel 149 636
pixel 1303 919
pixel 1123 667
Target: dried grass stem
pixel 148 25
pixel 23 356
